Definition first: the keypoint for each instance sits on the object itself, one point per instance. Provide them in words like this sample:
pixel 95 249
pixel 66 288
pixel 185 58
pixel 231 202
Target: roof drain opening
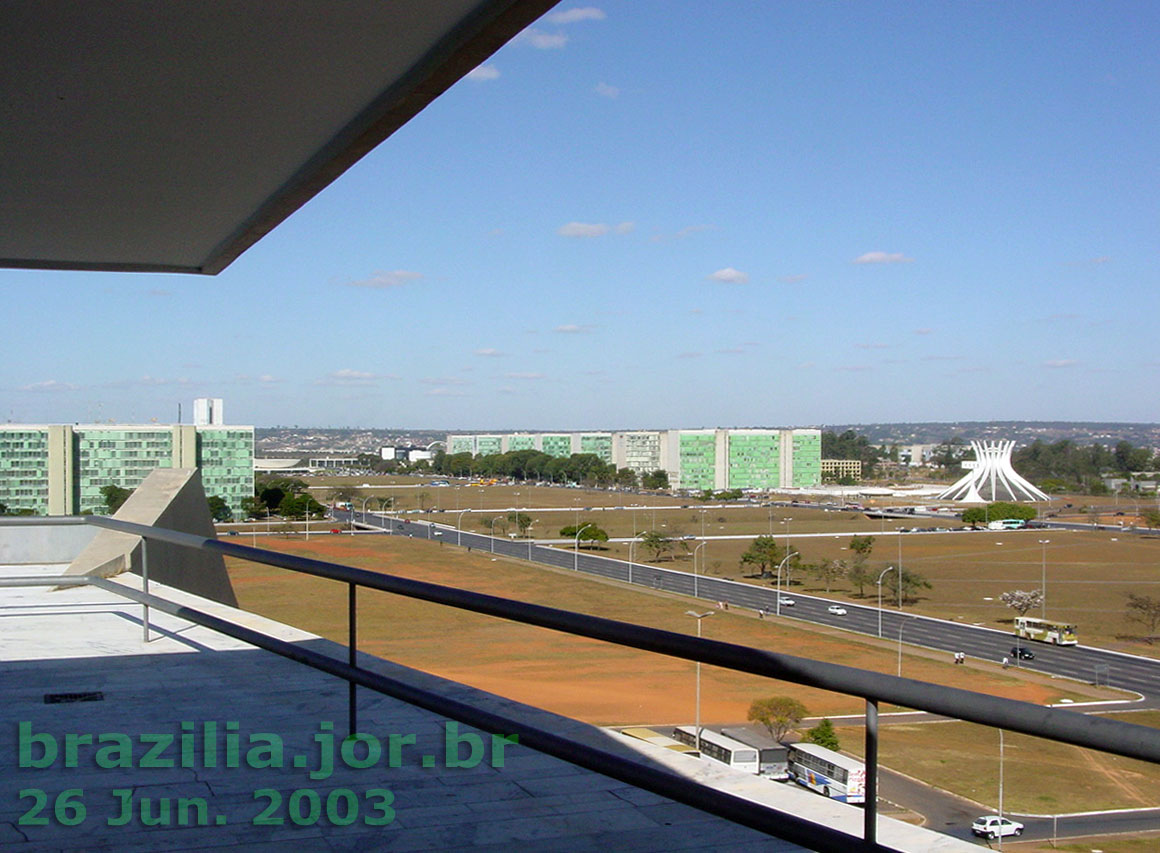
pixel 63 698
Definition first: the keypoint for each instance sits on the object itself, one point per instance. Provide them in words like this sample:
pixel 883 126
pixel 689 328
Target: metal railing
pixel 1069 727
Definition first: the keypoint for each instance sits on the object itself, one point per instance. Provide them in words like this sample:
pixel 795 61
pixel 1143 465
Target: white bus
pixel 827 772
pixel 1046 631
pixel 720 748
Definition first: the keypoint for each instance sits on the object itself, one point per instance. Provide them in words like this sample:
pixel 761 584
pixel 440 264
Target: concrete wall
pixel 33 545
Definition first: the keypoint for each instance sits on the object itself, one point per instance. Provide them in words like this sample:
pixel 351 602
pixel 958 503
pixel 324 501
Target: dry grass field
pixel 590 680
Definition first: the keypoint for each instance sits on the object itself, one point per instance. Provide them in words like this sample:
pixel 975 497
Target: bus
pixel 736 754
pixel 657 739
pixel 827 772
pixel 1046 631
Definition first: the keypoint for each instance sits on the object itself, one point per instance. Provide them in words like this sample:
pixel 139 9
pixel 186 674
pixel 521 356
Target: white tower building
pixel 208 411
pixel 991 477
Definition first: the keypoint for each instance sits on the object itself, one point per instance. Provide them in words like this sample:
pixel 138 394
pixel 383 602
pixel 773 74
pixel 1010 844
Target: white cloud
pixel 267 378
pixel 571 16
pixel 443 392
pixel 148 381
pixel 606 91
pixel 573 329
pixel 883 258
pixel 442 380
pixel 542 40
pixel 730 276
pixel 582 229
pixel 625 228
pixel 1058 363
pixel 383 280
pixel 488 352
pixel 523 375
pixel 347 376
pixel 482 73
pixel 49 385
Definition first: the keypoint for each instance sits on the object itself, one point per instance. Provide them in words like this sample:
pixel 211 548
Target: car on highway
pixel 836 609
pixel 786 602
pixel 993 826
pixel 1021 653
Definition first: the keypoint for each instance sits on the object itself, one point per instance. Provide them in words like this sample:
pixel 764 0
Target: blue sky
pixel 683 214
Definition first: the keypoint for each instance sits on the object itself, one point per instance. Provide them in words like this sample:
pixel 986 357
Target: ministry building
pixel 694 459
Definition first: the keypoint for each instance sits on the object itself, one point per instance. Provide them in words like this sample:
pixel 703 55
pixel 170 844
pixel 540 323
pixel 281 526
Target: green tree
pixel 588 532
pixel 862 545
pixel 765 554
pixel 823 734
pixel 998 511
pixel 912 582
pixel 3 509
pixel 219 510
pixel 655 480
pixel 860 575
pixel 1152 517
pixel 299 506
pixel 778 714
pixel 253 507
pixel 657 542
pixel 521 520
pixel 114 497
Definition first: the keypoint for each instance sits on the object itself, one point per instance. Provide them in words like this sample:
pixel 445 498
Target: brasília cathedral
pixel 991 477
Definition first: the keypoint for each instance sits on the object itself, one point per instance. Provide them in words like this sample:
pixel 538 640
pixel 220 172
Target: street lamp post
pixel 492 537
pixel 901 626
pixel 880 577
pixel 697 725
pixel 364 502
pixel 458 529
pixel 695 550
pixel 632 545
pixel 779 566
pixel 576 559
pixel 1043 583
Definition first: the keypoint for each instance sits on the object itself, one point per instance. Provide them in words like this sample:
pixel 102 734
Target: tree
pixel 778 714
pixel 1021 601
pixel 828 571
pixel 765 554
pixel 655 480
pixel 823 734
pixel 862 545
pixel 253 507
pixel 114 496
pixel 490 524
pixel 299 506
pixel 998 511
pixel 1145 610
pixel 1152 517
pixel 657 542
pixel 521 520
pixel 219 509
pixel 3 509
pixel 860 575
pixel 588 532
pixel 912 582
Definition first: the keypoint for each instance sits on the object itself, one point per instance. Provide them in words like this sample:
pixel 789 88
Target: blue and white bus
pixel 827 772
pixel 721 748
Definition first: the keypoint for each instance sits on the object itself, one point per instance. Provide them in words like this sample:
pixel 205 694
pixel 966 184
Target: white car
pixel 786 602
pixel 836 609
pixel 993 826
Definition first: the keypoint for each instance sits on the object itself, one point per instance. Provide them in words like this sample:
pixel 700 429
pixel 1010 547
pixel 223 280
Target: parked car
pixel 993 826
pixel 836 609
pixel 786 602
pixel 1022 653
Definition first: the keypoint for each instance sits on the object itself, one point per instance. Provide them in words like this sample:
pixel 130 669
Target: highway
pixel 945 812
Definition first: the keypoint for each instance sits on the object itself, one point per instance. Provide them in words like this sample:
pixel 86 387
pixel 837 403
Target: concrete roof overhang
pixel 170 137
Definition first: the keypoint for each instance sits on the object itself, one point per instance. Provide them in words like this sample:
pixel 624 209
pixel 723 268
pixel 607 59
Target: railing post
pixel 352 624
pixel 870 807
pixel 145 581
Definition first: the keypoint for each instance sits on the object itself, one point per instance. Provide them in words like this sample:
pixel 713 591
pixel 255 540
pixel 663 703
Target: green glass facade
pixel 90 457
pixel 754 460
pixel 556 445
pixel 600 444
pixel 226 459
pixel 807 460
pixel 118 457
pixel 488 445
pixel 698 459
pixel 24 469
pixel 461 444
pixel 521 442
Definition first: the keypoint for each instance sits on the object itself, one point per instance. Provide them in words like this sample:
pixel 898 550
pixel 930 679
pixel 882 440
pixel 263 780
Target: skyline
pixel 643 213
